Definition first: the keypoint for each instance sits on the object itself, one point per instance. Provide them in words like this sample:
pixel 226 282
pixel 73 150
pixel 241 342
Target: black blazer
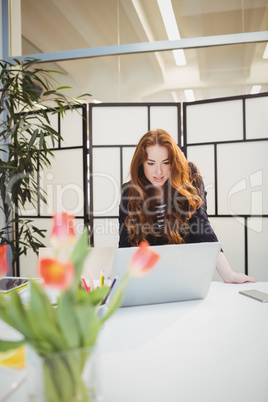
pixel 200 229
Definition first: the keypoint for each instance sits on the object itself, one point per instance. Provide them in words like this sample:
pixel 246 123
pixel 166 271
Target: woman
pixel 165 201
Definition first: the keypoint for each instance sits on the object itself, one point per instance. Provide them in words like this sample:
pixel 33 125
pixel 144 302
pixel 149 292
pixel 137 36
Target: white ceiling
pixel 211 72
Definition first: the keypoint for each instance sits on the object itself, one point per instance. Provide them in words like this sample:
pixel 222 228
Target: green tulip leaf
pixel 78 257
pixel 67 320
pixel 19 316
pixel 44 316
pixel 88 323
pixel 98 295
pixel 9 345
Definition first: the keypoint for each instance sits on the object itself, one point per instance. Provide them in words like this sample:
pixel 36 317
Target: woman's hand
pixel 228 275
pixel 239 278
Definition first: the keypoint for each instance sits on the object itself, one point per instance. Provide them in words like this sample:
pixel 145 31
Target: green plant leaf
pixel 9 345
pixel 3 310
pixel 24 146
pixel 98 295
pixel 67 320
pixel 59 382
pixel 88 322
pixel 18 316
pixel 33 138
pixel 44 316
pixel 78 257
pixel 64 87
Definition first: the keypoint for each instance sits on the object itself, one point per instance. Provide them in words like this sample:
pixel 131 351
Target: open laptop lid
pixel 183 272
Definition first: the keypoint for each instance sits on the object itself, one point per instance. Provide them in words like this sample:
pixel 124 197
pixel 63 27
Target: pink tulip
pixel 143 260
pixel 4 266
pixel 63 233
pixel 56 273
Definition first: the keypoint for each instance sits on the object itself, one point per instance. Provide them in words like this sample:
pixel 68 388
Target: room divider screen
pixel 65 181
pixel 227 138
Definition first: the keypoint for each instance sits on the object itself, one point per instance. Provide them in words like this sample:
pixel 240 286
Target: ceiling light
pixel 189 95
pixel 169 19
pixel 265 54
pixel 172 30
pixel 179 57
pixel 256 89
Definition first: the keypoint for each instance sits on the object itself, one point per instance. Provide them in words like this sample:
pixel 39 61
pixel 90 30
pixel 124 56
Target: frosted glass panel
pixel 213 122
pixel 203 157
pixel 257 248
pixel 119 125
pixel 106 181
pixel 127 157
pixel 106 232
pixel 72 128
pixel 230 233
pixel 63 182
pixel 257 118
pixel 166 118
pixel 242 178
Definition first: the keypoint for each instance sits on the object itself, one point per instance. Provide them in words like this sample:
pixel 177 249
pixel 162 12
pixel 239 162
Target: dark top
pixel 200 229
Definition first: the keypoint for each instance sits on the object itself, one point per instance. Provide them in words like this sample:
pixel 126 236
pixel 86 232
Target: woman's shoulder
pixel 195 176
pixel 125 187
pixel 193 168
pixel 125 193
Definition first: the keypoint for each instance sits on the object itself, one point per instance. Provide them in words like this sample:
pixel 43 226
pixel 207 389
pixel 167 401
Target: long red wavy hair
pixel 181 193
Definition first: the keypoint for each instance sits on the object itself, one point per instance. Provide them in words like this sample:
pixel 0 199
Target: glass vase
pixel 67 376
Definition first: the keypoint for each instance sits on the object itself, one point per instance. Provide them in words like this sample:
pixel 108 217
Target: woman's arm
pixel 228 275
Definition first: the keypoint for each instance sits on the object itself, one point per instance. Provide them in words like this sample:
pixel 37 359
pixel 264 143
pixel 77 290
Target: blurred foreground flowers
pixel 73 324
pixel 3 260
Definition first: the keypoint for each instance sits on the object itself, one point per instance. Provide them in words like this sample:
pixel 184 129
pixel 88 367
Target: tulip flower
pixel 4 267
pixel 143 260
pixel 55 273
pixel 63 233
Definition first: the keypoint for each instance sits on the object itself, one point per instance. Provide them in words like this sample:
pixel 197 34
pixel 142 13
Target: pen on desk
pixel 101 279
pixel 108 294
pixel 87 288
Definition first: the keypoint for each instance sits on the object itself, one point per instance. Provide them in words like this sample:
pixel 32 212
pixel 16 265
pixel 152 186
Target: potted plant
pixel 27 96
pixel 63 336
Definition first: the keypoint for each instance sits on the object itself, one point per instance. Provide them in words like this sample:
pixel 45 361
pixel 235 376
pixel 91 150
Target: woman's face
pixel 157 168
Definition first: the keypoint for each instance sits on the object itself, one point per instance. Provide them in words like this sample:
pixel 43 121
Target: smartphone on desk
pixel 255 294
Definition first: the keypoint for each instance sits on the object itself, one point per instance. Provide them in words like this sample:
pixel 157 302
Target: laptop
pixel 183 272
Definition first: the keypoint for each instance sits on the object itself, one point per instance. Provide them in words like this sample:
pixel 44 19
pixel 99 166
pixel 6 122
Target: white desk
pixel 210 350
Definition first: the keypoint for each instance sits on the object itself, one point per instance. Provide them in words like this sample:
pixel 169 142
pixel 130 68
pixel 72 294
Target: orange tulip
pixel 143 260
pixel 4 266
pixel 56 273
pixel 63 233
